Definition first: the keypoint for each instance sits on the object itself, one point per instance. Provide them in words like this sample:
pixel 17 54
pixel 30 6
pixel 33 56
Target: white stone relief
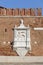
pixel 22 39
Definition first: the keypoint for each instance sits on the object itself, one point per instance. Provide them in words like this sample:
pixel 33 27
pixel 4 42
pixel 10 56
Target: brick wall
pixel 21 12
pixel 9 23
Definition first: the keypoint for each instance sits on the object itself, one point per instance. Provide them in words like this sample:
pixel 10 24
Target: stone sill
pixel 19 59
pixel 19 16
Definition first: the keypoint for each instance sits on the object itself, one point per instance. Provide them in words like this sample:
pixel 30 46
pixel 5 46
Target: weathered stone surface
pixel 21 63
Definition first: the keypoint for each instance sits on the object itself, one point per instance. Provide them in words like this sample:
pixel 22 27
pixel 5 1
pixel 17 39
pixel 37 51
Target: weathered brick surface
pixel 32 12
pixel 9 12
pixel 39 11
pixel 2 11
pixel 6 50
pixel 36 36
pixel 21 12
pixel 9 24
pixel 27 12
pixel 16 12
pixel 13 12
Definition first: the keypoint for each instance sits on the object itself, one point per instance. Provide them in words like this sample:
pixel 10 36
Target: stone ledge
pixel 19 59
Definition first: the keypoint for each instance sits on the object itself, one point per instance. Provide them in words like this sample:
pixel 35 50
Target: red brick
pixel 13 12
pixel 16 12
pixel 2 11
pixel 39 11
pixel 9 12
pixel 28 12
pixel 32 12
pixel 22 12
